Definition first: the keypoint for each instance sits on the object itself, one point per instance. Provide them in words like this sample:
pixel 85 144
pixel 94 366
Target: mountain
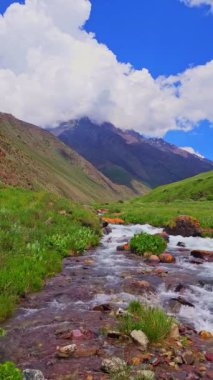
pixel 33 158
pixel 128 158
pixel 199 187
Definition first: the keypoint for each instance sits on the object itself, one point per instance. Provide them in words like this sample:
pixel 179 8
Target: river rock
pixel 107 230
pixel 146 375
pixel 113 220
pixel 154 259
pixel 166 258
pixel 204 255
pixel 66 351
pixel 163 235
pixel 33 374
pixel 181 244
pixel 188 357
pixel 142 284
pixel 209 356
pixel 113 365
pixel 176 303
pixel 205 334
pixel 84 352
pixel 185 226
pixel 114 334
pixel 140 338
pixel 122 248
pixel 104 308
pixel 174 332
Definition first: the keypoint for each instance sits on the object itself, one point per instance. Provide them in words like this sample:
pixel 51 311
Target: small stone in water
pixel 205 334
pixel 33 374
pixel 66 351
pixel 113 365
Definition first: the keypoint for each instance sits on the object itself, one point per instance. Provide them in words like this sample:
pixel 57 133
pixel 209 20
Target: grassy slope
pixel 192 196
pixel 36 231
pixel 33 158
pixel 195 188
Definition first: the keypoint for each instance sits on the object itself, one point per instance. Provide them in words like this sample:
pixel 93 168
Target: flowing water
pixel 104 276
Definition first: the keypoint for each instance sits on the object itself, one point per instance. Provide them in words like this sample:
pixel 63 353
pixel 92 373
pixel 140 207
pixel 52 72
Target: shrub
pixel 8 371
pixel 143 242
pixel 154 322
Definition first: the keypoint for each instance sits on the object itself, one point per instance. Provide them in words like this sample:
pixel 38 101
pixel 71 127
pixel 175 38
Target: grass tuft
pixel 8 371
pixel 154 322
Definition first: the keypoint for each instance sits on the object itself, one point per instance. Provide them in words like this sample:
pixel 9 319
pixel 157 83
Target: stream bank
pixel 84 296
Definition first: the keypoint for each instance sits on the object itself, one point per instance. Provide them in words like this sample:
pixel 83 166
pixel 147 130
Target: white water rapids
pixel 199 292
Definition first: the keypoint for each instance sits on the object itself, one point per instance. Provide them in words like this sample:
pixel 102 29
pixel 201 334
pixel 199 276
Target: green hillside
pixel 37 230
pixel 32 158
pixel 195 188
pixel 193 196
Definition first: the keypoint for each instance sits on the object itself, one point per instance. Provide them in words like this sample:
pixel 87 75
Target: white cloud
pixel 191 150
pixel 52 70
pixel 197 3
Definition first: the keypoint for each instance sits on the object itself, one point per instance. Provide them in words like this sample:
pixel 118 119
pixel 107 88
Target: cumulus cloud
pixel 52 70
pixel 197 3
pixel 191 150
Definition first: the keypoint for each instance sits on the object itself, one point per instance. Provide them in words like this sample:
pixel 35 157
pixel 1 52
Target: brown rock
pixel 164 236
pixel 205 334
pixel 188 357
pixel 204 255
pixel 185 226
pixel 104 308
pixel 66 351
pixel 143 284
pixel 154 259
pixel 86 352
pixel 166 258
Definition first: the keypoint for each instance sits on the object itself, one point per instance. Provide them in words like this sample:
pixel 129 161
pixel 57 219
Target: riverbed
pixel 105 277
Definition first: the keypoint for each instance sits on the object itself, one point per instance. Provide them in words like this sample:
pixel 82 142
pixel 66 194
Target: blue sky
pixel 164 36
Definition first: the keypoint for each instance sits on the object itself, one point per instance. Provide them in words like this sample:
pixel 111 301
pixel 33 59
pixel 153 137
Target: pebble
pixel 146 375
pixel 113 365
pixel 141 338
pixel 66 351
pixel 33 374
pixel 188 357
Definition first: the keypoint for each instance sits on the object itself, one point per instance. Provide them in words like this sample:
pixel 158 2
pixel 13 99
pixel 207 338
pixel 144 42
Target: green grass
pixel 37 230
pixel 160 213
pixel 141 243
pixel 199 187
pixel 8 371
pixel 154 322
pixel 193 197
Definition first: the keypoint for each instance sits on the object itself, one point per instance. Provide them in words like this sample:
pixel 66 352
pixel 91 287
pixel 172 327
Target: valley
pixel 69 274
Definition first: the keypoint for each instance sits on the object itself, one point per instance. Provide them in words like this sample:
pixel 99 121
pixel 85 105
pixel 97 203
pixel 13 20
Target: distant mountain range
pixel 33 158
pixel 127 158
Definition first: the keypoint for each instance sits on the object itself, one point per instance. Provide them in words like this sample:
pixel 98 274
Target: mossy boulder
pixel 184 225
